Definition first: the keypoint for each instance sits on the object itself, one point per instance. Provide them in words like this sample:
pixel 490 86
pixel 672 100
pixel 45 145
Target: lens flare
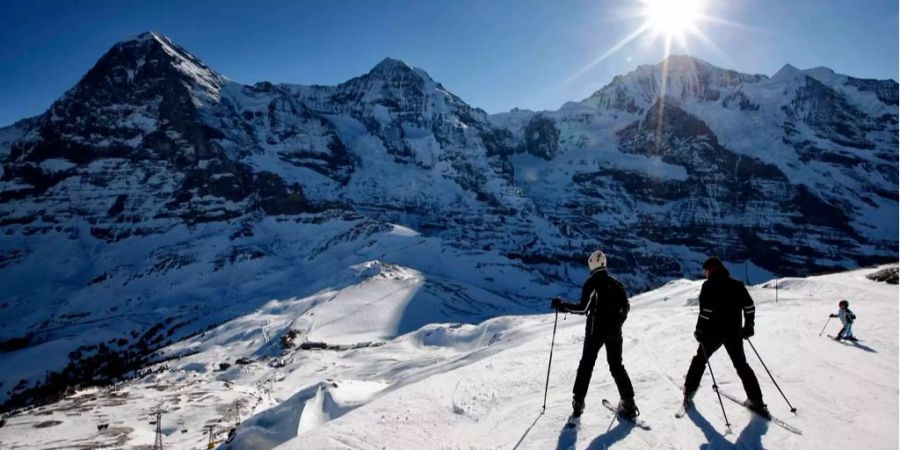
pixel 672 24
pixel 672 18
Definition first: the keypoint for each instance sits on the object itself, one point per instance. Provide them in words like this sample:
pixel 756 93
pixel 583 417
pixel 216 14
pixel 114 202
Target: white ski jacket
pixel 847 317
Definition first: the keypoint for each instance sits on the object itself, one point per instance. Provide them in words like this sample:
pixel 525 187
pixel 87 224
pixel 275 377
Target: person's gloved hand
pixel 698 335
pixel 748 331
pixel 832 315
pixel 555 303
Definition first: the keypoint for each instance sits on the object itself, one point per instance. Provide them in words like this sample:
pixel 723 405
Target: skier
pixel 722 300
pixel 847 318
pixel 605 303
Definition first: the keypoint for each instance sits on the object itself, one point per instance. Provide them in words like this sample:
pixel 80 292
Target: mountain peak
pixel 147 56
pixel 823 74
pixel 786 72
pixel 149 41
pixel 144 37
pixel 684 62
pixel 677 76
pixel 390 68
pixel 389 63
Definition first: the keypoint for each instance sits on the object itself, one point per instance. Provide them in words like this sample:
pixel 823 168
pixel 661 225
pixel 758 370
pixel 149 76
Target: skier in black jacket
pixel 605 303
pixel 723 300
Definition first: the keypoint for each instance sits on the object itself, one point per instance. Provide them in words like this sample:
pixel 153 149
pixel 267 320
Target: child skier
pixel 847 318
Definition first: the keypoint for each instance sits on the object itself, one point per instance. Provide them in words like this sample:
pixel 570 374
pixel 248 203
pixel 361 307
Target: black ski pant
pixel 734 345
pixel 592 346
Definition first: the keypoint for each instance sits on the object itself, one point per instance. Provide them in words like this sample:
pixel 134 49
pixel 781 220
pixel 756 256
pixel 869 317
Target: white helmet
pixel 597 261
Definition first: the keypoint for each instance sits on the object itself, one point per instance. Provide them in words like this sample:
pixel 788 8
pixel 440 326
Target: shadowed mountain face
pixel 156 183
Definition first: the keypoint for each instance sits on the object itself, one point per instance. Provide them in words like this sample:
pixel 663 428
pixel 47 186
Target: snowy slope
pixel 846 395
pixel 147 293
pixel 481 386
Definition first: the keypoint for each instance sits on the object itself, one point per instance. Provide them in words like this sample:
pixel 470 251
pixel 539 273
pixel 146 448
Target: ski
pixel 844 340
pixel 771 418
pixel 640 423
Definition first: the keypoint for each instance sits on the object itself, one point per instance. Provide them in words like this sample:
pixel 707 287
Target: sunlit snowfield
pixel 481 386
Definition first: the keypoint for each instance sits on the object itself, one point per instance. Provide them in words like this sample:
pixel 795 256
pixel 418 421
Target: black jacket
pixel 723 300
pixel 605 303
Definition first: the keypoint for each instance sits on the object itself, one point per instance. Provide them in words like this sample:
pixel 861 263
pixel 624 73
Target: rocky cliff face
pixel 157 195
pixel 130 150
pixel 674 161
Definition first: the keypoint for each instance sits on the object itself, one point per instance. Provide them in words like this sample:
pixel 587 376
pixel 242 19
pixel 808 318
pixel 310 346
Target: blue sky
pixel 494 54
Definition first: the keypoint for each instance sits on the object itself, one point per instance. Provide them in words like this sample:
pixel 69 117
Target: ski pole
pixel 716 387
pixel 826 325
pixel 552 340
pixel 793 410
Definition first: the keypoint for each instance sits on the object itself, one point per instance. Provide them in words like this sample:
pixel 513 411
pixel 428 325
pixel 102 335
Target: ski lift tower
pixel 158 444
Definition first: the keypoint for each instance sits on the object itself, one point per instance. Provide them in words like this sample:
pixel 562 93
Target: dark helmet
pixel 843 304
pixel 713 263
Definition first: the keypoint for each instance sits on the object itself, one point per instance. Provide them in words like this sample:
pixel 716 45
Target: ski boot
pixel 758 407
pixel 577 407
pixel 628 409
pixel 688 398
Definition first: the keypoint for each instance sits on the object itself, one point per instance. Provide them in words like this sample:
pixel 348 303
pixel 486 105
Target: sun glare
pixel 667 25
pixel 671 18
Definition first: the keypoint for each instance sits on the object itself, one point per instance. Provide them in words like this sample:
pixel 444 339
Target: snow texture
pixel 460 386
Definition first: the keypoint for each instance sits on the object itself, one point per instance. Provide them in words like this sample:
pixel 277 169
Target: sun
pixel 675 24
pixel 671 18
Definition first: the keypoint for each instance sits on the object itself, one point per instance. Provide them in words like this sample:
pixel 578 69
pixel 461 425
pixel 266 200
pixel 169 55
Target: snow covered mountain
pixel 796 173
pixel 452 385
pixel 157 198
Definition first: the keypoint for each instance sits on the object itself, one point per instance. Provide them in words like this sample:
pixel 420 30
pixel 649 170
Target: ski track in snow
pixel 481 386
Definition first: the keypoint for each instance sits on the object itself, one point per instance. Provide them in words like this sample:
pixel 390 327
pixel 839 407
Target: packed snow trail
pixel 846 396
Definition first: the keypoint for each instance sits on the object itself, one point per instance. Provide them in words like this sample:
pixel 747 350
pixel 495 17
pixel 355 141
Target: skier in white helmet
pixel 605 303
